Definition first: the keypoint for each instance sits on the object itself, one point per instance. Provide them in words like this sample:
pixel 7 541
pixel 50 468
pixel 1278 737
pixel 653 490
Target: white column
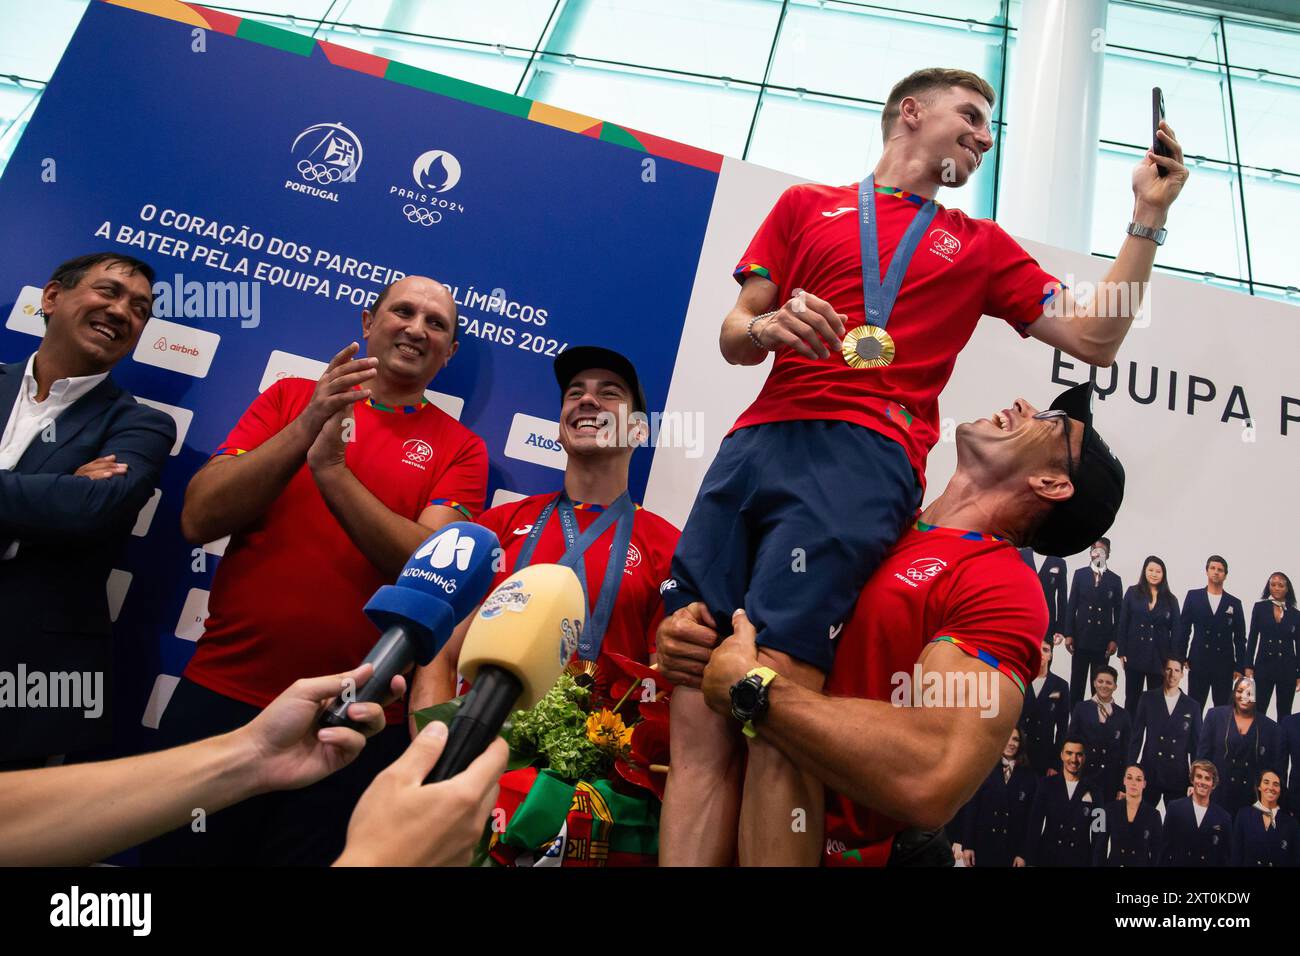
pixel 1055 106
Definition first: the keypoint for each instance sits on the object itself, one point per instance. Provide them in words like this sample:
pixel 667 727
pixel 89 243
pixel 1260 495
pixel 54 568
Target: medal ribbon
pixel 576 545
pixel 878 297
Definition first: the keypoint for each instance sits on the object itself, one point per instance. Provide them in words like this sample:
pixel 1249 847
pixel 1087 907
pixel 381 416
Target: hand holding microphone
pixel 443 581
pixel 518 643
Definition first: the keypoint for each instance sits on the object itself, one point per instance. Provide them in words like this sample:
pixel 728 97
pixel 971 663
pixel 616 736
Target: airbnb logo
pixel 162 346
pixel 179 348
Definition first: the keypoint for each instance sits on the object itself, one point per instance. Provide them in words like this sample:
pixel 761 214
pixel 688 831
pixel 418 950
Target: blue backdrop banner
pixel 276 185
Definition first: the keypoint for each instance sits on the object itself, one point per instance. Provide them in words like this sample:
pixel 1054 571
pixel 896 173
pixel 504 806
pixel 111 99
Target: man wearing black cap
pixel 602 422
pixel 930 676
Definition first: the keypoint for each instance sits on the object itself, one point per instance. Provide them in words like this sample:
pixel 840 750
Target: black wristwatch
pixel 749 697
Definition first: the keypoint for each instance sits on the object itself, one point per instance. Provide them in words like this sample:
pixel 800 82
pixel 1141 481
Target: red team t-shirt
pixel 287 596
pixel 639 607
pixel 962 269
pixel 937 584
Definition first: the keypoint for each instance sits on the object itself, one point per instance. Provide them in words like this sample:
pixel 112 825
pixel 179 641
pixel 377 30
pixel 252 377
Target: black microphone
pixel 441 583
pixel 517 645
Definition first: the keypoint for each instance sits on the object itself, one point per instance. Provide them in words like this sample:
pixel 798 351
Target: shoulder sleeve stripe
pixel 448 503
pixel 984 656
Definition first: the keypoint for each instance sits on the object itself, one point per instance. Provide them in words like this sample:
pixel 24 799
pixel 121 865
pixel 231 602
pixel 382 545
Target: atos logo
pixel 417 452
pixel 541 441
pixel 447 547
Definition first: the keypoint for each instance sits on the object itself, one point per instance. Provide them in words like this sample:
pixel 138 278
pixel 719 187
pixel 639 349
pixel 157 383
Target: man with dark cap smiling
pixel 931 669
pixel 602 422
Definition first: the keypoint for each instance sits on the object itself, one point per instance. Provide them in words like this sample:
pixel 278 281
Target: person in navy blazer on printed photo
pixel 1130 832
pixel 991 827
pixel 1289 742
pixel 1263 834
pixel 1242 743
pixel 1045 716
pixel 1051 575
pixel 1060 827
pixel 1271 649
pixel 1166 730
pixel 1214 627
pixel 1092 618
pixel 1197 831
pixel 1149 630
pixel 1103 726
pixel 79 457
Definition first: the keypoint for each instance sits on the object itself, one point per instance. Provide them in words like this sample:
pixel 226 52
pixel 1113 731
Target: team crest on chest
pixel 921 571
pixel 944 244
pixel 416 452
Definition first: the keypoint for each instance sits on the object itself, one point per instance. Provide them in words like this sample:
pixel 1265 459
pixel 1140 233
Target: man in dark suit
pixel 1045 716
pixel 1197 832
pixel 1215 628
pixel 1168 722
pixel 1052 577
pixel 1060 825
pixel 1092 619
pixel 78 459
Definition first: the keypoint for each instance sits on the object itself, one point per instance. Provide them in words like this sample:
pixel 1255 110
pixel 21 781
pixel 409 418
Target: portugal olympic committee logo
pixel 922 570
pixel 633 558
pixel 326 154
pixel 417 451
pixel 436 171
pixel 944 243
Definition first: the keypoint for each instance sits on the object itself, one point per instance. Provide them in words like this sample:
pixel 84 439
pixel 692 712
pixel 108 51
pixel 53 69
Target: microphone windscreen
pixel 443 581
pixel 529 625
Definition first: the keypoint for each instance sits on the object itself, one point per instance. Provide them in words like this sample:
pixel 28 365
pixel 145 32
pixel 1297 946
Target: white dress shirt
pixel 29 418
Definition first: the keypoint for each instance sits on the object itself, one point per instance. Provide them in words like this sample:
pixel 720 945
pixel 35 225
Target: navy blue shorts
pixel 791 520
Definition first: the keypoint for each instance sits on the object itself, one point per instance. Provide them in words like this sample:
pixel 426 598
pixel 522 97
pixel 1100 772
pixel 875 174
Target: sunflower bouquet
pixel 587 769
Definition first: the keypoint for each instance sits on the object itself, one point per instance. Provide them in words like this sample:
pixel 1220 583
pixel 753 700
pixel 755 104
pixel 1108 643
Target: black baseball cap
pixel 1074 524
pixel 582 357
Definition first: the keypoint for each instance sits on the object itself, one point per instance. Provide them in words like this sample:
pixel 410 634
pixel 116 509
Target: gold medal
pixel 868 346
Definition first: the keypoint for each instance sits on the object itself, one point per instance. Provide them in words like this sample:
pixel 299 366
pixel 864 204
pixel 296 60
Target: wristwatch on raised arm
pixel 749 697
pixel 1147 232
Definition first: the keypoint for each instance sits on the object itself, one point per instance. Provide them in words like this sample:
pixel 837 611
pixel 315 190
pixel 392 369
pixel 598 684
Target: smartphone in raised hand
pixel 1157 114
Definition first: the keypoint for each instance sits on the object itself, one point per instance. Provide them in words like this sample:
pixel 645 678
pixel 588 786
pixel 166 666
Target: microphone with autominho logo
pixel 518 643
pixel 443 581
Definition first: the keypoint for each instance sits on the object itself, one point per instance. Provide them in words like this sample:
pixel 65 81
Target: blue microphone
pixel 444 581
